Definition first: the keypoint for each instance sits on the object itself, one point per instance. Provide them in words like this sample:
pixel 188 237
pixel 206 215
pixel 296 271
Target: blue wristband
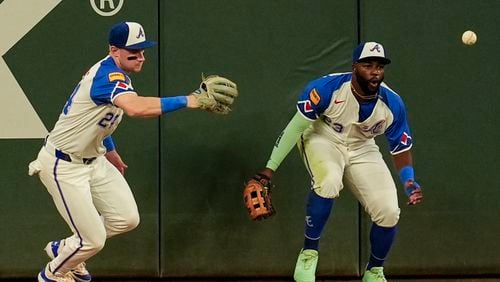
pixel 406 173
pixel 109 144
pixel 170 104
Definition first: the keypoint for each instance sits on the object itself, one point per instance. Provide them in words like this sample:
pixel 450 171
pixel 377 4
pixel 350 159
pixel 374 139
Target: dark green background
pixel 187 168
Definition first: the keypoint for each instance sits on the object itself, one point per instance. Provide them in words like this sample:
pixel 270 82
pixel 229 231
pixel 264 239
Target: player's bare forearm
pixel 114 158
pixel 144 107
pixel 402 159
pixel 137 106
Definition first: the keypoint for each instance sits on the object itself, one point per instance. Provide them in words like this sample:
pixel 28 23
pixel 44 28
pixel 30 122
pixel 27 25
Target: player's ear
pixel 113 51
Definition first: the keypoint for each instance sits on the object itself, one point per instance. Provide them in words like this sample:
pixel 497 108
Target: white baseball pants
pixel 362 168
pixel 94 199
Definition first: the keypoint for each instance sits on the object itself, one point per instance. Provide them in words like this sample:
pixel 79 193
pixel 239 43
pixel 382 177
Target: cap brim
pixel 142 45
pixel 384 61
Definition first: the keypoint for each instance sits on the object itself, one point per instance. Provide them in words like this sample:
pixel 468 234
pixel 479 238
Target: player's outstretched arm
pixel 137 106
pixel 404 164
pixel 216 94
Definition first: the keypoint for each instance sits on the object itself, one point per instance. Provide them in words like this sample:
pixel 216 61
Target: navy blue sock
pixel 318 210
pixel 381 239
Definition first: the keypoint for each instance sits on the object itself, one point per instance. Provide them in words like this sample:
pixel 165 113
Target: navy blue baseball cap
pixel 370 50
pixel 129 35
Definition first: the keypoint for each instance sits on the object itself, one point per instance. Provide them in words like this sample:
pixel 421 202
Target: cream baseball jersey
pixel 89 115
pixel 329 102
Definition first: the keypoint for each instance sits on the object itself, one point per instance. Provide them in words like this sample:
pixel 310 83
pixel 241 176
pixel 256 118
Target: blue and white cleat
pixel 79 273
pixel 46 276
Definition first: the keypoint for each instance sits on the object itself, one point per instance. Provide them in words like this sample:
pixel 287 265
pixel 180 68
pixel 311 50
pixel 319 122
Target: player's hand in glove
pixel 414 192
pixel 216 94
pixel 257 197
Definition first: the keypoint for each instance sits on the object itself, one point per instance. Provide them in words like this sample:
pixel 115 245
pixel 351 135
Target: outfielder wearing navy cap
pixel 129 35
pixel 338 117
pixel 79 163
pixel 370 50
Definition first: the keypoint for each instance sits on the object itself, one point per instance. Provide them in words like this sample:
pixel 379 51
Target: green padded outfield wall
pixel 187 169
pixel 47 61
pixel 452 92
pixel 271 49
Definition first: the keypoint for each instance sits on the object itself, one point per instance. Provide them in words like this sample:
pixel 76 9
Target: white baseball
pixel 469 37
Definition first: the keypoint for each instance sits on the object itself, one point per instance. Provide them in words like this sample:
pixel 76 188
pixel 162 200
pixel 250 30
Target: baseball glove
pixel 257 197
pixel 216 94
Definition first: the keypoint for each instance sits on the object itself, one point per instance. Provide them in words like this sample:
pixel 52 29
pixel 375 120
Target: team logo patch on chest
pixel 375 128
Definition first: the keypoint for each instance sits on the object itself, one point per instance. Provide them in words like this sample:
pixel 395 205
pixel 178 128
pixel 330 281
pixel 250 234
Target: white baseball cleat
pixel 46 275
pixel 79 273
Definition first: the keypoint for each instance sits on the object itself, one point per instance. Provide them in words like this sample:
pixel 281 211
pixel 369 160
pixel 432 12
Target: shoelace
pixel 380 275
pixel 308 261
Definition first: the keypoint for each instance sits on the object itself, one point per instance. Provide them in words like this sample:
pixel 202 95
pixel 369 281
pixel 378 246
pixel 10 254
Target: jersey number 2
pixel 108 120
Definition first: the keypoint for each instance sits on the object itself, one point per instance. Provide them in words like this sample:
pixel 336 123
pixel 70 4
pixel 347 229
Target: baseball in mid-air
pixel 469 37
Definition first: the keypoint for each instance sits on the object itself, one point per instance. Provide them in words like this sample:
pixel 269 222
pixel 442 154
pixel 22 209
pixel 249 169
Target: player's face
pixel 128 60
pixel 369 75
pixel 133 60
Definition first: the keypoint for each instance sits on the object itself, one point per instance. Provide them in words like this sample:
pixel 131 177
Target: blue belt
pixel 65 157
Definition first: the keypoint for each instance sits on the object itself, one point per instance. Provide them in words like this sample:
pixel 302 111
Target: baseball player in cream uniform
pixel 79 164
pixel 337 119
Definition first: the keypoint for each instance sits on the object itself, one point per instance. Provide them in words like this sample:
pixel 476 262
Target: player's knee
pixel 98 246
pixel 387 217
pixel 95 243
pixel 329 188
pixel 128 222
pixel 132 221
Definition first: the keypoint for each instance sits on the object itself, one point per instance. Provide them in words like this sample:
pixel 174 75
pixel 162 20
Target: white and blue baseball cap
pixel 370 50
pixel 129 35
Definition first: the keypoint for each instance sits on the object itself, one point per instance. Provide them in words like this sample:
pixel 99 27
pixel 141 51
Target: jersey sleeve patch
pixel 309 103
pixel 404 144
pixel 121 87
pixel 114 76
pixel 317 95
pixel 314 96
pixel 104 92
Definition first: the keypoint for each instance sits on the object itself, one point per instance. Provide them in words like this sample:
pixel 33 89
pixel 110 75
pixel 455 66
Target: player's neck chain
pixel 361 97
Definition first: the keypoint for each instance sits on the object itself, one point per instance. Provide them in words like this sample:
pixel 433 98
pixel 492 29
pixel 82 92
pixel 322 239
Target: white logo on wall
pixel 106 8
pixel 18 118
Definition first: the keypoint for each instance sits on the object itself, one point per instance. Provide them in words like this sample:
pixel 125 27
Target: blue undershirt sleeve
pixel 109 144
